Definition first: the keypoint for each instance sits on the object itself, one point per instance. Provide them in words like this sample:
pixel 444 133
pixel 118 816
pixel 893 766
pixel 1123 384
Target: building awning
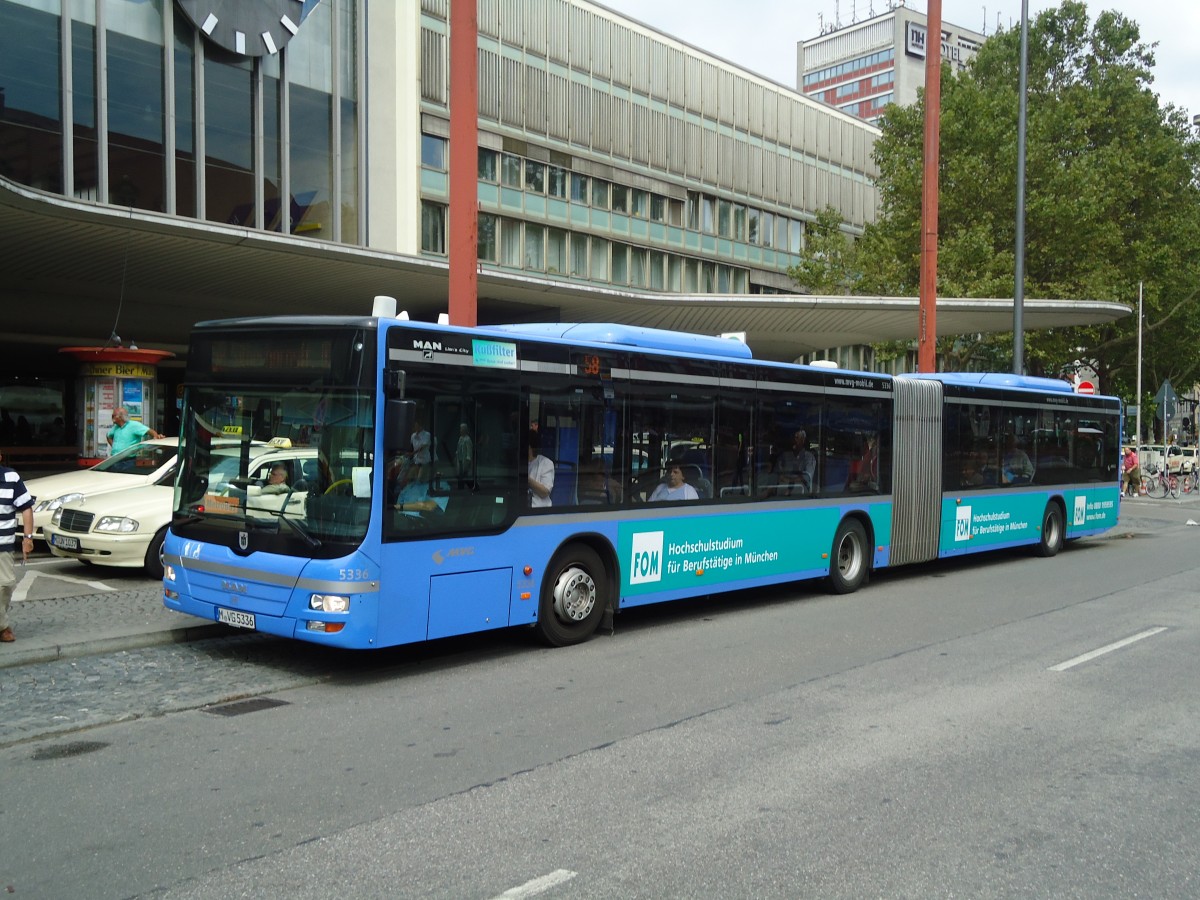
pixel 76 272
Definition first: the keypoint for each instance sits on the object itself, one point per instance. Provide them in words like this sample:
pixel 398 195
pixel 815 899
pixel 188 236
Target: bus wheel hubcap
pixel 574 595
pixel 848 558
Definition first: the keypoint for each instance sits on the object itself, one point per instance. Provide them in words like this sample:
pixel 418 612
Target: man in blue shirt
pixel 14 498
pixel 125 434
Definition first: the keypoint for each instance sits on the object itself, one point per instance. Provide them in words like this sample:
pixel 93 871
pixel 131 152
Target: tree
pixel 827 263
pixel 1112 196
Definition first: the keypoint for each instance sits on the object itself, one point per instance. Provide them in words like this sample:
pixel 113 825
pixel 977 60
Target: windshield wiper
pixel 292 523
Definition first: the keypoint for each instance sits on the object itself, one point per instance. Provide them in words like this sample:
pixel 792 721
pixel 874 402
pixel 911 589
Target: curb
pixel 16 655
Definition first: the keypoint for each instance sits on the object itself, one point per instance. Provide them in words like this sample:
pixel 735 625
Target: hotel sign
pixel 916 37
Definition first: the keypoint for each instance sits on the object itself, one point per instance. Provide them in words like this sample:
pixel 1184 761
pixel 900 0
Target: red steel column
pixel 927 324
pixel 463 222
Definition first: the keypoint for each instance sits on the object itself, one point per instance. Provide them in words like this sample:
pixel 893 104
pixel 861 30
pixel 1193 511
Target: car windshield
pixel 140 459
pixel 293 461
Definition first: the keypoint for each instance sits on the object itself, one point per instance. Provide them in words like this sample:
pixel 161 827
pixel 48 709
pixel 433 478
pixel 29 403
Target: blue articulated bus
pixel 450 480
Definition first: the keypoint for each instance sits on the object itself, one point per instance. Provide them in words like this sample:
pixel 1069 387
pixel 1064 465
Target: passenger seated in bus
pixel 595 488
pixel 541 473
pixel 674 488
pixel 797 466
pixel 1015 466
pixel 971 474
pixel 864 472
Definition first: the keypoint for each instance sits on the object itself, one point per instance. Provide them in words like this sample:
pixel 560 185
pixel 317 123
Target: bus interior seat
pixel 563 492
pixel 699 459
pixel 835 474
pixel 738 490
pixel 693 476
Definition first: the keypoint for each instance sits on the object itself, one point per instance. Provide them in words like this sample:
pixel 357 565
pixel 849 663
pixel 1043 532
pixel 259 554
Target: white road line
pixel 22 590
pixel 538 885
pixel 1062 667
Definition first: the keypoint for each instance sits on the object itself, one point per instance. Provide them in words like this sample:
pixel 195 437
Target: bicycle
pixel 1164 483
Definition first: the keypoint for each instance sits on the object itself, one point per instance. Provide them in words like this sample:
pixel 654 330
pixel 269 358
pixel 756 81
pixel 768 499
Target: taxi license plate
pixel 236 618
pixel 67 543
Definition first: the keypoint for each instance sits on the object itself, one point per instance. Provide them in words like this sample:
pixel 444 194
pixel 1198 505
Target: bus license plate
pixel 236 618
pixel 67 543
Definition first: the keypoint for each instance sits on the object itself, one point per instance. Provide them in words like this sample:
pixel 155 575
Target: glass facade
pixel 142 110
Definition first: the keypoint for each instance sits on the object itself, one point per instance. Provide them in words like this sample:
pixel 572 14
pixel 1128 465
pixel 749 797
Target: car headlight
pixel 121 524
pixel 57 502
pixel 330 603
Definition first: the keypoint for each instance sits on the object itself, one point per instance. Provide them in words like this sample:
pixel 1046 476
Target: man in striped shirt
pixel 14 498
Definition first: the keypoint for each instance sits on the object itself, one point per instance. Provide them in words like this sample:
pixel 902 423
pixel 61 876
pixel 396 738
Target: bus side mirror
pixel 398 417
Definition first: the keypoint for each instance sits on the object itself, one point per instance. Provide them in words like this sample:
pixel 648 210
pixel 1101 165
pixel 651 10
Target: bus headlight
pixel 330 603
pixel 121 524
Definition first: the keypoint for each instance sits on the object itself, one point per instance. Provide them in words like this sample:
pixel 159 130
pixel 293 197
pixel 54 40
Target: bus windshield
pixel 293 461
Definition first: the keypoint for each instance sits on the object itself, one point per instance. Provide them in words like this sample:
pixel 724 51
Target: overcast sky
pixel 761 35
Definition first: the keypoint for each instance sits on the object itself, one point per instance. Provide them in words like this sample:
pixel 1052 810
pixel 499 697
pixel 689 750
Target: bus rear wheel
pixel 1052 531
pixel 574 594
pixel 848 563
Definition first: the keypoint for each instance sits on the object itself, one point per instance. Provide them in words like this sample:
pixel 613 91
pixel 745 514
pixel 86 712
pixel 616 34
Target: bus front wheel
pixel 574 594
pixel 848 565
pixel 1052 531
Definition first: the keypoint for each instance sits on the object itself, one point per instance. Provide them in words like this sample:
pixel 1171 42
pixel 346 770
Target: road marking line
pixel 539 885
pixel 1062 667
pixel 22 590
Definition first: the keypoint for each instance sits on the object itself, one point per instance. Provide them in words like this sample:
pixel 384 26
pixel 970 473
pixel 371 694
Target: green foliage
pixel 1112 197
pixel 827 264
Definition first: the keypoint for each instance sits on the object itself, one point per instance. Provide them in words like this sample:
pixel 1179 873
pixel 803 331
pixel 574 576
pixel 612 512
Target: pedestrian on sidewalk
pixel 14 498
pixel 125 432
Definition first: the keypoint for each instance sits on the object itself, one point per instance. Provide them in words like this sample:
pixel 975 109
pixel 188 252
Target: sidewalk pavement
pixel 63 627
pixel 89 624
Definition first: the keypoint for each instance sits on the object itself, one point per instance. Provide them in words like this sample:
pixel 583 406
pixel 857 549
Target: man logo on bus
pixel 645 563
pixel 962 523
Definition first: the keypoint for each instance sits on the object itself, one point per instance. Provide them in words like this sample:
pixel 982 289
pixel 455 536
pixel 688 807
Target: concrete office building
pixel 167 161
pixel 862 67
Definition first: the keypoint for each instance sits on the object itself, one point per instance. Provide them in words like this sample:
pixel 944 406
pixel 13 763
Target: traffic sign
pixel 1085 387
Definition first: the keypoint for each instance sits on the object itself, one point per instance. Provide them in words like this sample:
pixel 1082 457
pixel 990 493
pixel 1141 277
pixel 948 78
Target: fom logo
pixel 645 561
pixel 1080 510
pixel 962 523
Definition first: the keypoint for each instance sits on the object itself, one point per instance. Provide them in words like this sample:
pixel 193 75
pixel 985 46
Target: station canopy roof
pixel 76 272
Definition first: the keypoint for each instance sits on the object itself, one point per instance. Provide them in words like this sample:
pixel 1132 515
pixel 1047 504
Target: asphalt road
pixel 1002 727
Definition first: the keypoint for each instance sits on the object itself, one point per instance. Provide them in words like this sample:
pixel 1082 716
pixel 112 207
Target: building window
pixel 620 263
pixel 433 227
pixel 487 237
pixel 620 198
pixel 708 214
pixel 579 256
pixel 489 165
pixel 600 193
pixel 535 177
pixel 433 152
pixel 510 170
pixel 535 247
pixel 510 243
pixel 556 251
pixel 599 259
pixel 579 188
pixel 658 208
pixel 768 229
pixel 752 215
pixel 556 181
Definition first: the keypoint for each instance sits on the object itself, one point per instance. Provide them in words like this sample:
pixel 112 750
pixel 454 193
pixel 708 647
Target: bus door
pixel 441 574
